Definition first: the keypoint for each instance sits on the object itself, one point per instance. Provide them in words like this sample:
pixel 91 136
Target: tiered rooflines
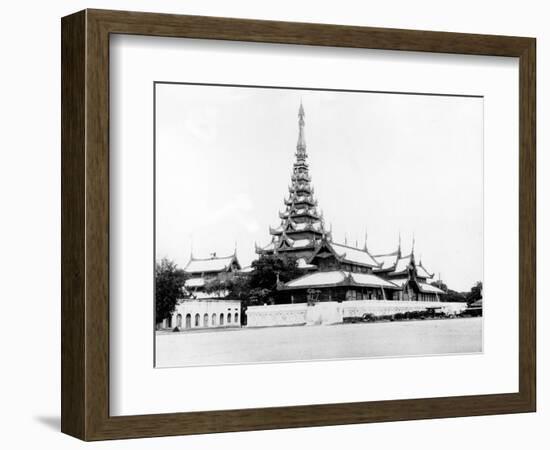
pixel 212 265
pixel 302 233
pixel 302 225
pixel 395 265
pixel 202 270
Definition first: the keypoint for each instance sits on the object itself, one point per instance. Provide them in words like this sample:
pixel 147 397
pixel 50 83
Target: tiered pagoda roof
pixel 214 264
pixel 344 254
pixel 302 225
pixel 395 264
pixel 338 278
pixel 301 232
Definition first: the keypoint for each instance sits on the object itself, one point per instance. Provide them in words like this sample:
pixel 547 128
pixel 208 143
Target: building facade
pixel 200 308
pixel 201 271
pixel 204 313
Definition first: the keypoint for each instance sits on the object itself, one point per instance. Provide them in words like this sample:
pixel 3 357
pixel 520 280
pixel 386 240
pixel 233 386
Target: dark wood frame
pixel 85 224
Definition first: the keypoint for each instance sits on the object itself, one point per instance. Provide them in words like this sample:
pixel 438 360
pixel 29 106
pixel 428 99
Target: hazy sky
pixel 386 163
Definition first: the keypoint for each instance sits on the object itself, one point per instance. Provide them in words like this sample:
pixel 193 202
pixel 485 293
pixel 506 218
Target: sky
pixel 381 163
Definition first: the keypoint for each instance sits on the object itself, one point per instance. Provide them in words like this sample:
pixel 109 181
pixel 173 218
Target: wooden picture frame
pixel 85 224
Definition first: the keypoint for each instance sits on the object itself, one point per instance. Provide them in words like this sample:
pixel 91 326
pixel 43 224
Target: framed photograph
pixel 273 225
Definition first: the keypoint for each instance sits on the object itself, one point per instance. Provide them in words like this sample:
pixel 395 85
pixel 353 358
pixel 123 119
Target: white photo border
pixel 137 388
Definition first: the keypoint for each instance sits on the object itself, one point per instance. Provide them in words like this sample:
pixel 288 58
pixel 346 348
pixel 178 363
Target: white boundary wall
pixel 324 313
pixel 356 308
pixel 276 315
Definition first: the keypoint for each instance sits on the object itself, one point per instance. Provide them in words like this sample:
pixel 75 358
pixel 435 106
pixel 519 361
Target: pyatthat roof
pixel 402 264
pixel 396 264
pixel 267 248
pixel 400 281
pixel 338 278
pixel 421 272
pixel 299 243
pixel 428 288
pixel 213 264
pixel 302 264
pixel 386 261
pixel 194 282
pixel 354 255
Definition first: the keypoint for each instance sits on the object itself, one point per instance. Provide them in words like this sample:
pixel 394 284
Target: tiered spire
pixel 302 224
pixel 301 145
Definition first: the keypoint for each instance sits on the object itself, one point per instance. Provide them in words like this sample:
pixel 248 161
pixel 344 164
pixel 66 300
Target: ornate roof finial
pixel 412 249
pixel 366 238
pixel 301 145
pixel 399 246
pixel 346 239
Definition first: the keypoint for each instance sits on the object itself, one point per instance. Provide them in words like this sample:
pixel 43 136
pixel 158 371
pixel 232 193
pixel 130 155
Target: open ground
pixel 299 343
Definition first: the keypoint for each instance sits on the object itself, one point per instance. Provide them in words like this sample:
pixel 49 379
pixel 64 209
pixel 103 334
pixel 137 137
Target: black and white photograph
pixel 260 225
pixel 296 224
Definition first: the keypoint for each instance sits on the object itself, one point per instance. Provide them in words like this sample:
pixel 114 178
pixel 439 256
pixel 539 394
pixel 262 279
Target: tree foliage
pixel 476 293
pixel 169 282
pixel 454 296
pixel 268 271
pixel 260 285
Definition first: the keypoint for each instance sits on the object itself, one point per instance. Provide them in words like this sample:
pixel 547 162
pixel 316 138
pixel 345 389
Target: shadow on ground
pixel 51 422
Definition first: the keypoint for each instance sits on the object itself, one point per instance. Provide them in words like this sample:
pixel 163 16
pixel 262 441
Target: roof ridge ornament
pixel 301 145
pixel 399 246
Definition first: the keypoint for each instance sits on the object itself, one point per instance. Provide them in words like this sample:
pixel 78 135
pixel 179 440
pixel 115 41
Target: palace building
pixel 335 271
pixel 339 280
pixel 199 308
pixel 203 270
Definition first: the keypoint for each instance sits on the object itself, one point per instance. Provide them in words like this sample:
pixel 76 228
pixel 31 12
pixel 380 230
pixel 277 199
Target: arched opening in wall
pixel 169 322
pixel 214 320
pixel 236 318
pixel 179 321
pixel 228 318
pixel 205 321
pixel 197 320
pixel 221 319
pixel 188 321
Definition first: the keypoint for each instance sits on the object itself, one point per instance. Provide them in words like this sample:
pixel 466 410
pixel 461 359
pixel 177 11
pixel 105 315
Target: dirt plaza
pixel 297 343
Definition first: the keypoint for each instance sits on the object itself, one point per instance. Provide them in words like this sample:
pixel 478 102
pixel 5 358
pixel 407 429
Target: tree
pixel 236 287
pixel 476 293
pixel 450 295
pixel 169 282
pixel 439 284
pixel 268 271
pixel 260 285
